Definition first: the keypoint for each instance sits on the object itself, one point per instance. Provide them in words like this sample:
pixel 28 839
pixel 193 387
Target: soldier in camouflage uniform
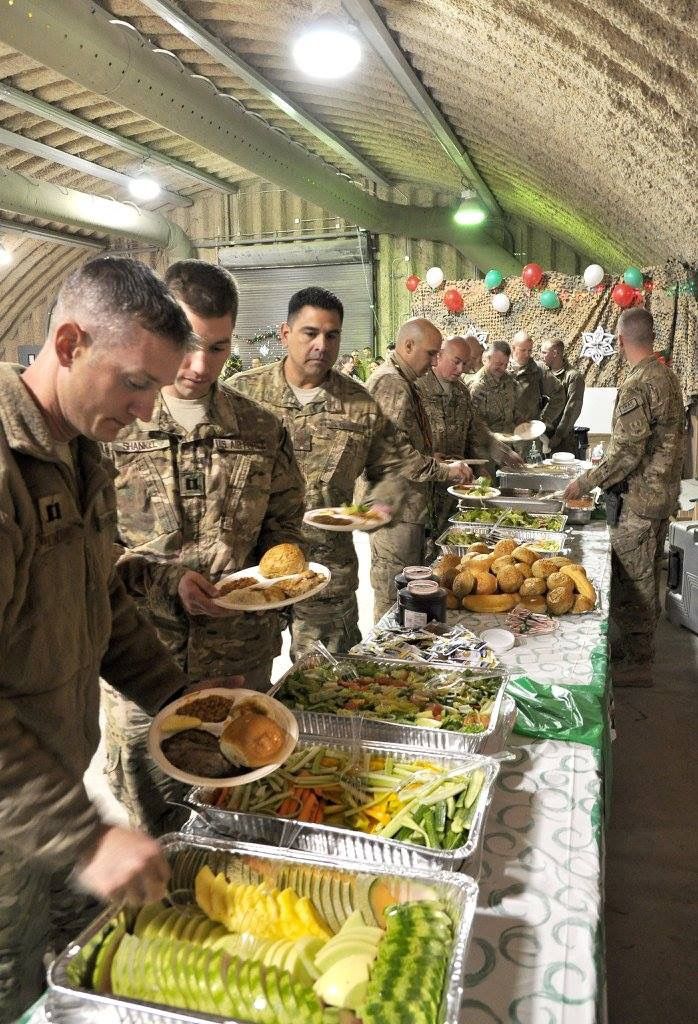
pixel 539 396
pixel 561 433
pixel 338 433
pixel 642 465
pixel 457 430
pixel 394 387
pixel 203 489
pixel 493 391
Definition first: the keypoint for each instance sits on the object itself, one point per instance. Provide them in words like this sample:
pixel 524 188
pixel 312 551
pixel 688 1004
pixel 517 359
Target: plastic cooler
pixel 682 580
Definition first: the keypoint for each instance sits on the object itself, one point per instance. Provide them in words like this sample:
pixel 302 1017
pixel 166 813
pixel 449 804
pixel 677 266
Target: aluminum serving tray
pixel 68 1003
pixel 539 505
pixel 490 535
pixel 511 530
pixel 418 737
pixel 537 482
pixel 358 847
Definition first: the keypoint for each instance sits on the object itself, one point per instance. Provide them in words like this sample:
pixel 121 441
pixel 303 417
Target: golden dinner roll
pixel 558 579
pixel 524 568
pixel 501 563
pixel 524 554
pixel 509 579
pixel 532 587
pixel 485 583
pixel 490 602
pixel 543 567
pixel 480 548
pixel 582 605
pixel 252 740
pixel 482 562
pixel 504 547
pixel 559 601
pixel 452 601
pixel 445 562
pixel 282 560
pixel 463 583
pixel 446 574
pixel 534 603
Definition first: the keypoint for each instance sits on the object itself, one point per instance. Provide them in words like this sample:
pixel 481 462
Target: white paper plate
pixel 355 522
pixel 228 600
pixel 463 491
pixel 560 458
pixel 529 430
pixel 499 640
pixel 276 711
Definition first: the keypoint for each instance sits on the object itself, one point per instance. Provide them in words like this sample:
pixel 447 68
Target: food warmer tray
pixel 523 537
pixel 537 482
pixel 519 504
pixel 359 847
pixel 511 530
pixel 68 1003
pixel 418 737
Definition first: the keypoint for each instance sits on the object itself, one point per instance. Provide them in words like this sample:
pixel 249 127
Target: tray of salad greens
pixel 452 709
pixel 509 518
pixel 368 802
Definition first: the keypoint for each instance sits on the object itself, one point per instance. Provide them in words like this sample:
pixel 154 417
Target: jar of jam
pixel 421 602
pixel 412 574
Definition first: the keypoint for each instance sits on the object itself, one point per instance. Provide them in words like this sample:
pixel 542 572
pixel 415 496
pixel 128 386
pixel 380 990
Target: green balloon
pixel 633 277
pixel 549 299
pixel 493 279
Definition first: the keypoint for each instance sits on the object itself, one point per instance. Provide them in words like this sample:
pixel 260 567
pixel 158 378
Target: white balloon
pixel 593 275
pixel 435 277
pixel 501 302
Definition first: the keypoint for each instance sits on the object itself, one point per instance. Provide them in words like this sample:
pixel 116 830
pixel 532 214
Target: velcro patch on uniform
pixel 628 404
pixel 348 425
pixel 230 444
pixel 51 512
pixel 150 445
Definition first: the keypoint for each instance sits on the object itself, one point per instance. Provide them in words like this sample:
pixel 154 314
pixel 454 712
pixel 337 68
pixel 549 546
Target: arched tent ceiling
pixel 580 117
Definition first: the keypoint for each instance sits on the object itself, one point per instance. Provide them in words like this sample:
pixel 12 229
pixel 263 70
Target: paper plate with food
pixel 230 737
pixel 345 518
pixel 529 430
pixel 479 488
pixel 282 577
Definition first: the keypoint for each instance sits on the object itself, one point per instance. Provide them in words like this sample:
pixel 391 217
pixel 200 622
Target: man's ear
pixel 409 344
pixel 284 331
pixel 68 339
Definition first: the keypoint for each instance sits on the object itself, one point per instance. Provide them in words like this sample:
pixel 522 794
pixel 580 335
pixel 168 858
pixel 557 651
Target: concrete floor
pixel 651 878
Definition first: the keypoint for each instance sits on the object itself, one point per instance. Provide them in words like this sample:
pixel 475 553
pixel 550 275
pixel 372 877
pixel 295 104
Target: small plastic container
pixel 413 574
pixel 421 602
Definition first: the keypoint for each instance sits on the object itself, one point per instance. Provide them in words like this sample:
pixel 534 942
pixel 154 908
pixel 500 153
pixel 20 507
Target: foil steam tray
pixel 491 536
pixel 358 727
pixel 359 847
pixel 69 1002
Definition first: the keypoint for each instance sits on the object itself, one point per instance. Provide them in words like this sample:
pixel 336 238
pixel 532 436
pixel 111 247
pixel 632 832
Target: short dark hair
pixel 113 291
pixel 498 346
pixel 205 287
pixel 320 298
pixel 637 326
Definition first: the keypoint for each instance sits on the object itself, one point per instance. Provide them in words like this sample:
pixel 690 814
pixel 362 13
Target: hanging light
pixel 6 256
pixel 144 188
pixel 470 210
pixel 327 49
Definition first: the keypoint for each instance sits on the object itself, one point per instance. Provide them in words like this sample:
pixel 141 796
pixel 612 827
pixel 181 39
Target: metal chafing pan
pixel 491 536
pixel 69 1002
pixel 359 847
pixel 357 726
pixel 545 506
pixel 537 482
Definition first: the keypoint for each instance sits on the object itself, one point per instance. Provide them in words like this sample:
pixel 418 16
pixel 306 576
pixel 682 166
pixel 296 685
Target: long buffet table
pixel 537 952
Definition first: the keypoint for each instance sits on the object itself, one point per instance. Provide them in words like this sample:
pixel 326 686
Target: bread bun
pixel 525 569
pixel 504 547
pixel 485 583
pixel 509 579
pixel 446 569
pixel 544 567
pixel 463 583
pixel 500 563
pixel 524 554
pixel 560 600
pixel 558 579
pixel 532 587
pixel 481 562
pixel 252 739
pixel 479 548
pixel 581 605
pixel 452 601
pixel 282 560
pixel 535 603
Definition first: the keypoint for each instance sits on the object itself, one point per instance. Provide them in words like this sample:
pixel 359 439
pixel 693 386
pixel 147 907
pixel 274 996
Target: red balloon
pixel 453 300
pixel 532 274
pixel 623 295
pixel 412 283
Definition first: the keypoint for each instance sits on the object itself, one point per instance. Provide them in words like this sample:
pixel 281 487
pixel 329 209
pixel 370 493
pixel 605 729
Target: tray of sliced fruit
pixel 431 707
pixel 368 802
pixel 274 937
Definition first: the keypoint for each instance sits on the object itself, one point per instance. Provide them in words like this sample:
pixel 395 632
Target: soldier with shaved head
pixel 393 386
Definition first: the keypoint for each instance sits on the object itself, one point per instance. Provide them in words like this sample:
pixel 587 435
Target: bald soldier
pixel 474 353
pixel 539 396
pixel 561 433
pixel 457 430
pixel 393 385
pixel 641 476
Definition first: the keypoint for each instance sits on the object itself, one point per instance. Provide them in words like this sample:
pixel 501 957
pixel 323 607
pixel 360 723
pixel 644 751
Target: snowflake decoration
pixel 597 344
pixel 475 332
pixel 263 350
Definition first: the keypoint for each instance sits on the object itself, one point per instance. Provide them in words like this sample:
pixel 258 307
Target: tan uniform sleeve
pixel 395 406
pixel 631 429
pixel 573 407
pixel 284 516
pixel 481 442
pixel 555 393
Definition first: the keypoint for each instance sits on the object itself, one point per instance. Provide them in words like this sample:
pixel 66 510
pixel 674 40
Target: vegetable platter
pixel 368 802
pixel 273 937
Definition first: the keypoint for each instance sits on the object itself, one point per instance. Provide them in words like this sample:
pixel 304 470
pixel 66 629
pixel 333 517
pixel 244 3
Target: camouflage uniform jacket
pixel 65 619
pixel 457 430
pixel 393 386
pixel 539 396
pixel 573 385
pixel 212 500
pixel 495 400
pixel 646 449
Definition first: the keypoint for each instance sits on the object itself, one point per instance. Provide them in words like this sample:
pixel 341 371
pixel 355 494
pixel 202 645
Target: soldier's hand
pixel 513 459
pixel 460 473
pixel 572 491
pixel 196 594
pixel 124 865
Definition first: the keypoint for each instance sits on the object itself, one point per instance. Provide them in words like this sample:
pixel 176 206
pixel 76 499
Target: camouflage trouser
pixel 332 616
pixel 38 913
pixel 637 548
pixel 391 550
pixel 135 780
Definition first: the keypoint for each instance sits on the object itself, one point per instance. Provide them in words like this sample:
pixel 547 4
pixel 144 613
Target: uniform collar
pixel 220 417
pixel 403 369
pixel 329 395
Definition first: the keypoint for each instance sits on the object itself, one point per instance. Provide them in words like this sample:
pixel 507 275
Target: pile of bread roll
pixel 496 579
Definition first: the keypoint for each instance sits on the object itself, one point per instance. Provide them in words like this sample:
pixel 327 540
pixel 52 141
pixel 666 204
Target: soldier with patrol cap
pixel 641 475
pixel 204 488
pixel 338 433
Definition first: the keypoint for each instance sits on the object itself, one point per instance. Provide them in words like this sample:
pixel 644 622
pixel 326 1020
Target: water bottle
pixel 534 454
pixel 597 453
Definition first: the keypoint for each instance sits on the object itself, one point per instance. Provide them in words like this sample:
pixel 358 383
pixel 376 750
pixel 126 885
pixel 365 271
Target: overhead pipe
pixel 80 41
pixel 41 199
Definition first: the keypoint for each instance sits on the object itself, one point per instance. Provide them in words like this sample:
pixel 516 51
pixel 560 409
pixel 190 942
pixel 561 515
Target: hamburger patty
pixel 197 752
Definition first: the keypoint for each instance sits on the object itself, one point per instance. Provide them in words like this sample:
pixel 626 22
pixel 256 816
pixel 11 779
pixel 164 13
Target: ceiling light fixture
pixel 471 211
pixel 144 188
pixel 6 256
pixel 327 49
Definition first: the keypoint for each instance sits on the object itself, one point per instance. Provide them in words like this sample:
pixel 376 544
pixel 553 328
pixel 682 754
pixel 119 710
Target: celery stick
pixel 476 780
